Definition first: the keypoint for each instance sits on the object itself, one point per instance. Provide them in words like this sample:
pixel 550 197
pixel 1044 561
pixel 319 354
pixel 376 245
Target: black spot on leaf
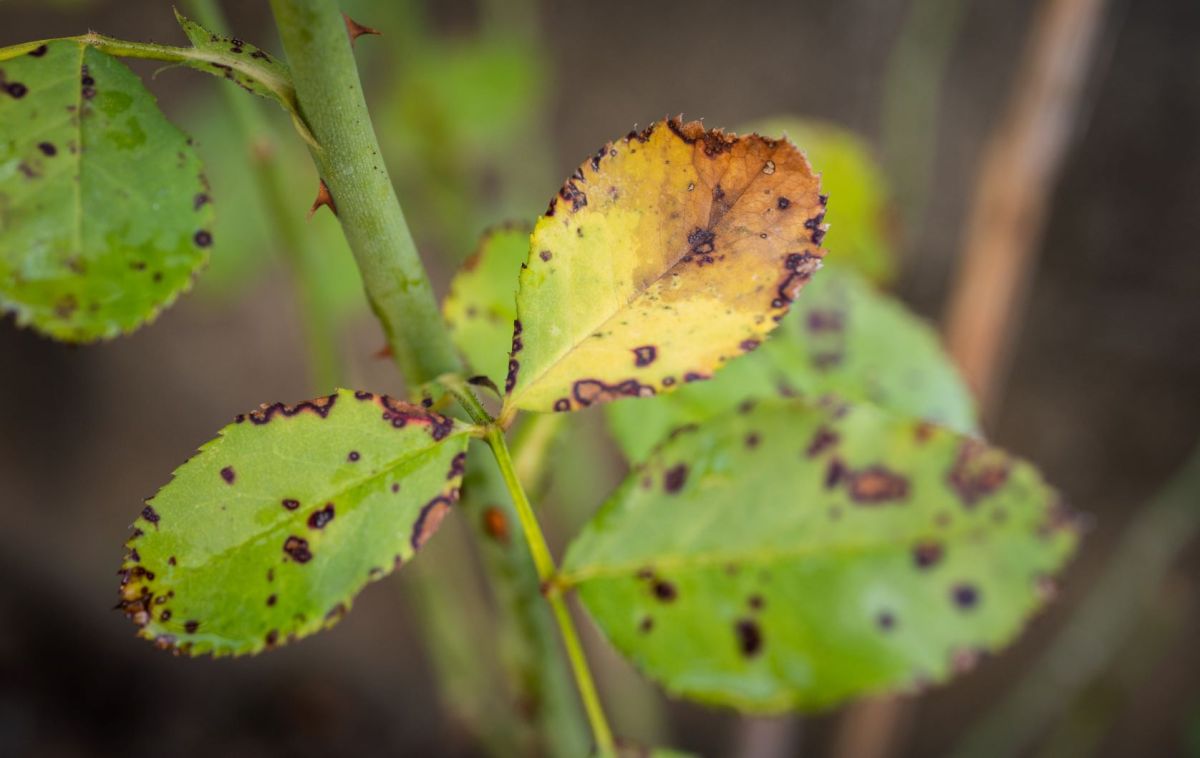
pixel 927 555
pixel 675 477
pixel 644 355
pixel 965 596
pixel 297 549
pixel 749 637
pixel 664 591
pixel 319 518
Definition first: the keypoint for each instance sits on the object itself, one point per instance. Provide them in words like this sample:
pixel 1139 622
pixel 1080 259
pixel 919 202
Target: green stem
pixel 298 245
pixel 349 161
pixel 546 569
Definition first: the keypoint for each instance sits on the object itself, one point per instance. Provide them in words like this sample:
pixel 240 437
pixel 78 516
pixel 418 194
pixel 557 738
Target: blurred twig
pixel 1020 165
pixel 1105 618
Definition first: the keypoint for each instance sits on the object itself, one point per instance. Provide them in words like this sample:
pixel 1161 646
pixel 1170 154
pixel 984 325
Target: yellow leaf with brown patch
pixel 666 254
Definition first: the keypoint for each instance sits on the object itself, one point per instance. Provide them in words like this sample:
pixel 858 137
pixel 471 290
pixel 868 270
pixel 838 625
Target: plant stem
pixel 332 104
pixel 349 161
pixel 299 249
pixel 544 562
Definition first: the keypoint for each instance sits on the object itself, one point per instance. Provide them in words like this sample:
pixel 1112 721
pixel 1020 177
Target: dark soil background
pixel 1104 391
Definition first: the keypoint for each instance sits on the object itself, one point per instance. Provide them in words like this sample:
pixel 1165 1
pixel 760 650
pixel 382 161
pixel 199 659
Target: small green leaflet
pixel 250 67
pixel 104 213
pixel 271 529
pixel 842 337
pixel 797 555
pixel 481 305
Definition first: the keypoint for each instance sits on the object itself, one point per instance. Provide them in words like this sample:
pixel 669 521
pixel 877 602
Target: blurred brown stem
pixel 1021 163
pixel 1020 166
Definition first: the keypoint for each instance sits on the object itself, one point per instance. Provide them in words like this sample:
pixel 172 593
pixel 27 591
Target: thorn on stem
pixel 384 352
pixel 323 198
pixel 357 30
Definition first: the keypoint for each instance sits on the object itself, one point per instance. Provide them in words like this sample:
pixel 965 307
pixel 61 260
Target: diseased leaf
pixel 481 305
pixel 795 555
pixel 665 255
pixel 271 529
pixel 104 213
pixel 859 213
pixel 248 66
pixel 843 338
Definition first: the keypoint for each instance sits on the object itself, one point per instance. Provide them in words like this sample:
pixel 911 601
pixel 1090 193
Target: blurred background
pixel 1046 149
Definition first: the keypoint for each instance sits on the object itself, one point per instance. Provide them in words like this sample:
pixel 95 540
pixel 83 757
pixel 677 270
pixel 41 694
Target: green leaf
pixel 104 213
pixel 250 67
pixel 842 337
pixel 859 214
pixel 271 529
pixel 663 256
pixel 795 555
pixel 481 305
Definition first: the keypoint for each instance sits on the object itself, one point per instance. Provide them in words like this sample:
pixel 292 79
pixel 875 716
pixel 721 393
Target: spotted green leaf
pixel 268 533
pixel 104 214
pixel 842 337
pixel 859 214
pixel 663 256
pixel 796 555
pixel 481 305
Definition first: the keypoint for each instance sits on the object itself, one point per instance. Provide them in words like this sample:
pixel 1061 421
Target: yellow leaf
pixel 666 254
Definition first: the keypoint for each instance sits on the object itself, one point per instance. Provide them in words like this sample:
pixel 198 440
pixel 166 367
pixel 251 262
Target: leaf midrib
pixel 760 557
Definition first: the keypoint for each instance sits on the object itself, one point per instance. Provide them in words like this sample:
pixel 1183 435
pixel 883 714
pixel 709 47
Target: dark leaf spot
pixel 291 504
pixel 644 355
pixel 297 548
pixel 353 456
pixel 191 626
pixel 150 515
pixel 319 518
pixel 965 596
pixel 749 637
pixel 203 238
pixel 877 484
pixel 429 520
pixel 927 555
pixel 227 474
pixel 675 477
pixel 664 591
pixel 821 441
pixel 47 149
